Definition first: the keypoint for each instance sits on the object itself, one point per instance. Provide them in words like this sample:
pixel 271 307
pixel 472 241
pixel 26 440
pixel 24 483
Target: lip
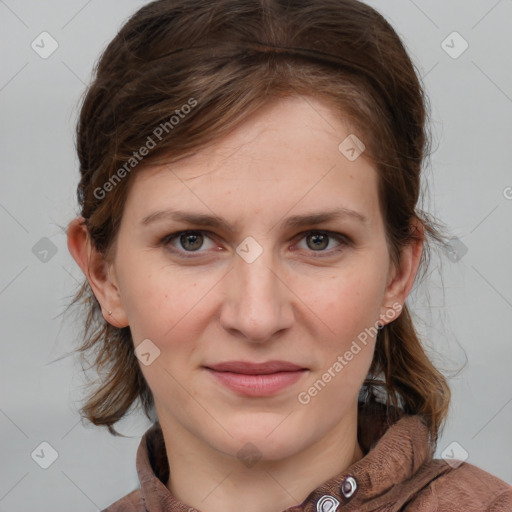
pixel 248 368
pixel 256 379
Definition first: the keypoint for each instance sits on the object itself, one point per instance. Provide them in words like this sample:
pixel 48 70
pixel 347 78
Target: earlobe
pixel 97 271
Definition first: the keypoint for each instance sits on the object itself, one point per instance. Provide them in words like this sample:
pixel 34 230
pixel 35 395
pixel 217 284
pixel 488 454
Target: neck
pixel 212 481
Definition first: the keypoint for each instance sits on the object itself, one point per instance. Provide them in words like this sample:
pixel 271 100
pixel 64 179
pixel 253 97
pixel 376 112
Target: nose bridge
pixel 257 303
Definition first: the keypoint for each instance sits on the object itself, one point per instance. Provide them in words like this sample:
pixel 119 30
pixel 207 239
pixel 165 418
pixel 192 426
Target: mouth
pixel 257 379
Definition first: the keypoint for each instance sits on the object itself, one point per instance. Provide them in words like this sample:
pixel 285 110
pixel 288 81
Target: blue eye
pixel 191 243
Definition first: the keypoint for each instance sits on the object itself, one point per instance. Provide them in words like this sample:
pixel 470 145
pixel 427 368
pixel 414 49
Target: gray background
pixel 471 191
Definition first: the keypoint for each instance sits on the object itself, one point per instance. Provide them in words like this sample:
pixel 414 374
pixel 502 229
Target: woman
pixel 249 231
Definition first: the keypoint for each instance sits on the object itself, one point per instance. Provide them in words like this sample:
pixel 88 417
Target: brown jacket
pixel 396 474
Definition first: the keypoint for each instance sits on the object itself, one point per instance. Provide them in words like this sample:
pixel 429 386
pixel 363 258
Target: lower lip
pixel 257 385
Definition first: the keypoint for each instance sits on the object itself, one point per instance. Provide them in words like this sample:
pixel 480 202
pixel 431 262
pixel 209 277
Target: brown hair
pixel 210 64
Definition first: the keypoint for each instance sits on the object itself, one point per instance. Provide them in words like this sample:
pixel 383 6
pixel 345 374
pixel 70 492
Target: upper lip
pixel 248 368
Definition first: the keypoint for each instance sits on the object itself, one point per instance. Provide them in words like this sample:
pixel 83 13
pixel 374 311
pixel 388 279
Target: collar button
pixel 348 487
pixel 327 504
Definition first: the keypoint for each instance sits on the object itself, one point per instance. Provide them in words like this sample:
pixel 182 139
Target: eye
pixel 187 241
pixel 319 241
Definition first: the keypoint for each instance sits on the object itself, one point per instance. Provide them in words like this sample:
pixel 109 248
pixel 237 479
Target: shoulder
pixel 132 502
pixel 464 488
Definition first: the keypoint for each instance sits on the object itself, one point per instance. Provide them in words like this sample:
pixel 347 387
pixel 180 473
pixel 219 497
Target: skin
pixel 285 305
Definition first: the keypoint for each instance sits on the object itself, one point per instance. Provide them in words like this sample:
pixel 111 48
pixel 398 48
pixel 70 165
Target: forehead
pixel 287 153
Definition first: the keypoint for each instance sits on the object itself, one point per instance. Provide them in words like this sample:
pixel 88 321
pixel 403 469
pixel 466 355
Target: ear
pixel 401 278
pixel 98 271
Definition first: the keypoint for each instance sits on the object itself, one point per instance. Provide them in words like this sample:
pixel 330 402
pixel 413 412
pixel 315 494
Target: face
pixel 256 267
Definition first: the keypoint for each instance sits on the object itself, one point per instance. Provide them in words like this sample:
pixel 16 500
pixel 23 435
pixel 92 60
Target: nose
pixel 258 304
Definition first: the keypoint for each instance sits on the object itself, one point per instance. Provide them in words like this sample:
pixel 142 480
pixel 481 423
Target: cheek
pixel 152 299
pixel 349 307
pixel 167 305
pixel 349 301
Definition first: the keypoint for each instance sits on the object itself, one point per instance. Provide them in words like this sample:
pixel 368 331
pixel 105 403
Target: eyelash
pixel 166 241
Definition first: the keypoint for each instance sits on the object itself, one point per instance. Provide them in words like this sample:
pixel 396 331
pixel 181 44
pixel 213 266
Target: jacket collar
pixel 394 451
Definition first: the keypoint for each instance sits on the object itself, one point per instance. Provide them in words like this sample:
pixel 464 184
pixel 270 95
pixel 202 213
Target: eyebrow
pixel 295 221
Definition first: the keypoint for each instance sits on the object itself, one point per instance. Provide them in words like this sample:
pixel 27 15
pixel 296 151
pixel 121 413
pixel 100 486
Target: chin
pixel 268 441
